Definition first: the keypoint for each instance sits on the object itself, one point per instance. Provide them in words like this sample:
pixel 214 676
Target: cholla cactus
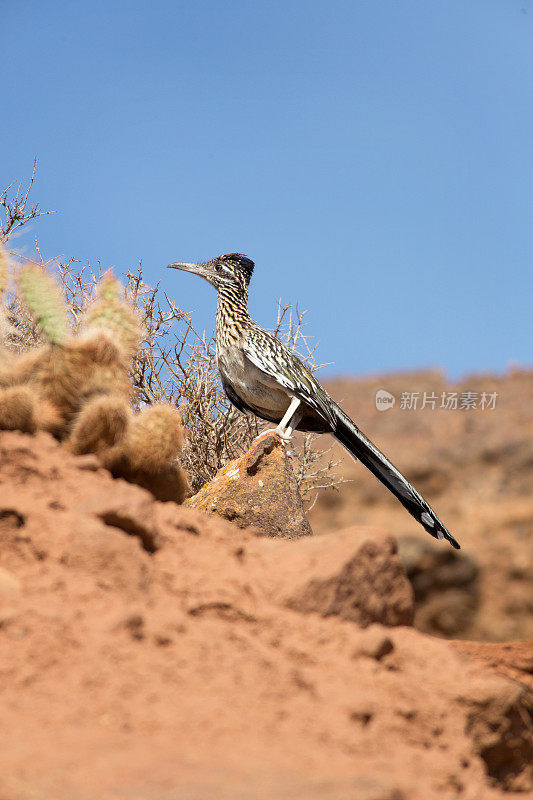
pixel 18 409
pixel 70 376
pixel 79 388
pixel 155 437
pixel 43 299
pixel 23 409
pixel 142 448
pixel 114 316
pixel 100 425
pixel 148 453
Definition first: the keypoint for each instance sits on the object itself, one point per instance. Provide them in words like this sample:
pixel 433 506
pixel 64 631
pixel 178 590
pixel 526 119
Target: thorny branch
pixel 16 208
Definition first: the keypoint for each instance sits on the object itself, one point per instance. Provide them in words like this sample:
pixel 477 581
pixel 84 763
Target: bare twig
pixel 17 210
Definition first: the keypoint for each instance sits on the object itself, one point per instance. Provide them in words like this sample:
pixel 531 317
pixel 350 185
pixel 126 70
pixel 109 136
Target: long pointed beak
pixel 202 270
pixel 196 269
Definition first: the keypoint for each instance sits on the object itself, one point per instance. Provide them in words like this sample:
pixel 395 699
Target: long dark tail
pixel 379 465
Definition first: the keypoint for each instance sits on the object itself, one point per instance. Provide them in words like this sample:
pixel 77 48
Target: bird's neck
pixel 232 313
pixel 232 305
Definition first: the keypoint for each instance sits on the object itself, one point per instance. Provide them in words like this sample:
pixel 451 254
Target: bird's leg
pixel 291 427
pixel 290 420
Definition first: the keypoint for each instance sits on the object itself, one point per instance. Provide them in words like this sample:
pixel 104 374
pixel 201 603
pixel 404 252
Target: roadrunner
pixel 260 375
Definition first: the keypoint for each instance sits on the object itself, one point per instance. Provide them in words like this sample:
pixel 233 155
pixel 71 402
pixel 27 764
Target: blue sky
pixel 374 159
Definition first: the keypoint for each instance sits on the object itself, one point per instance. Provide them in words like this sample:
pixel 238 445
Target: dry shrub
pixel 175 365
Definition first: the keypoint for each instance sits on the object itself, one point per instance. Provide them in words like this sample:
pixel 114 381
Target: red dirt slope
pixel 150 651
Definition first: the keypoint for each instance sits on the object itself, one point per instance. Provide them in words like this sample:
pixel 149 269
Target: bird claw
pixel 283 436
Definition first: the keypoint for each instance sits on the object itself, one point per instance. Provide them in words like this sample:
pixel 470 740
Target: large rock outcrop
pixel 257 490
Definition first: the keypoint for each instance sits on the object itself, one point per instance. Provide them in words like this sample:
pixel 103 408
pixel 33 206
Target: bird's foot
pixel 284 436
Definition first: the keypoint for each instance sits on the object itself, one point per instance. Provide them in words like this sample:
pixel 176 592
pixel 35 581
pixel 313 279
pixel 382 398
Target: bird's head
pixel 231 271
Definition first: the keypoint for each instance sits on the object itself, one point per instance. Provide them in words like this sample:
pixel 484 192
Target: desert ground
pixel 151 650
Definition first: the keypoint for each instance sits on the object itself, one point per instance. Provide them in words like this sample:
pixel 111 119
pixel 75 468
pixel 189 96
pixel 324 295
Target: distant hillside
pixel 474 465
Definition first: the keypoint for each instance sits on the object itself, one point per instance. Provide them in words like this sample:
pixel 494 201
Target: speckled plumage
pixel 261 375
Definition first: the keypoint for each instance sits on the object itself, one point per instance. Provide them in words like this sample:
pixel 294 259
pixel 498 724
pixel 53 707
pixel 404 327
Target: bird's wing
pixel 271 357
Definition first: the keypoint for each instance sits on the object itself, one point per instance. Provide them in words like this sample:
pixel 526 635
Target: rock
pixel 354 574
pixel 258 490
pixel 445 585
